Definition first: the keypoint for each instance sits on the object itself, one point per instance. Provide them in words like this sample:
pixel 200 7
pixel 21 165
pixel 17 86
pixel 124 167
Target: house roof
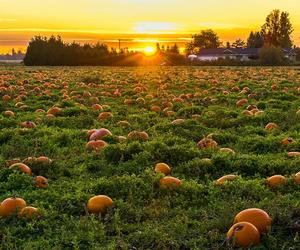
pixel 237 51
pixel 228 51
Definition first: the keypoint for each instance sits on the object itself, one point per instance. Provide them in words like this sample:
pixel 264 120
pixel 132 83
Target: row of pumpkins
pixel 167 181
pixel 95 143
pixel 248 224
pixel 10 205
pixel 248 227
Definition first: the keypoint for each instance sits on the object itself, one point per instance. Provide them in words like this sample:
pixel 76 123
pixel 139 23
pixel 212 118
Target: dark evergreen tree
pixel 255 40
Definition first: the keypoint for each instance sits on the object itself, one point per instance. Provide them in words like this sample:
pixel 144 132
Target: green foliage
pixel 198 214
pixel 255 40
pixel 206 39
pixel 277 29
pixel 271 56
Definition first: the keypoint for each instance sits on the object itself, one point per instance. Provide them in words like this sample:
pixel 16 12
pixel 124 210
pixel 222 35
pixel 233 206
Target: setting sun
pixel 149 51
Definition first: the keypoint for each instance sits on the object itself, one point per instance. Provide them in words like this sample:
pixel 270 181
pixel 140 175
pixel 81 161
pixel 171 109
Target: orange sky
pixel 88 20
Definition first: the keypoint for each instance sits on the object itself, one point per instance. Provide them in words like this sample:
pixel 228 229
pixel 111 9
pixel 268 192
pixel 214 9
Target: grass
pixel 195 216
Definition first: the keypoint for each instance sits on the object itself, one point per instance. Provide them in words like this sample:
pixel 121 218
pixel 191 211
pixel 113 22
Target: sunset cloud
pixel 156 27
pixel 7 20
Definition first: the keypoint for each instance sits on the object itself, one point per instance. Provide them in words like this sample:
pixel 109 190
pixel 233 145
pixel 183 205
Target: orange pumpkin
pixel 149 96
pixel 12 161
pixel 86 94
pixel 143 135
pixel 90 132
pixel 155 109
pixel 100 133
pixel 170 113
pixel 178 121
pixel 207 143
pixel 292 154
pixel 140 101
pixel 23 107
pixel 19 104
pixel 260 112
pixel 138 89
pixel 11 205
pixel 241 102
pixel 6 98
pixel 243 234
pixel 274 87
pixel 41 181
pixel 297 178
pixel 235 89
pixel 44 160
pixel 117 93
pixel 225 178
pixel 96 145
pixel 28 124
pixel 138 135
pixel 168 104
pixel 251 107
pixel 258 217
pixel 251 96
pixel 94 99
pixel 54 111
pixel 97 107
pixel 162 168
pixel 169 182
pixel 178 100
pixel 227 150
pixel 29 160
pixel 121 138
pixel 247 113
pixel 99 204
pixel 287 141
pixel 128 101
pixel 255 111
pixel 123 124
pixel 271 126
pixel 21 166
pixel 276 180
pixel 50 116
pixel 195 117
pixel 29 212
pixel 105 115
pixel 9 113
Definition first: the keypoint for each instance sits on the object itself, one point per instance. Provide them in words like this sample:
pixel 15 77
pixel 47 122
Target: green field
pixel 197 214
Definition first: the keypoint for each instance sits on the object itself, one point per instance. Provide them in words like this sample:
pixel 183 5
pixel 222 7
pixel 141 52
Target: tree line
pixel 276 31
pixel 54 51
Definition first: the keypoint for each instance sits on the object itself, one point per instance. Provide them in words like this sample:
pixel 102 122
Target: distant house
pixel 241 54
pixel 18 57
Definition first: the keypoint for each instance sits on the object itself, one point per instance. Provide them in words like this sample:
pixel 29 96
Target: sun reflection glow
pixel 149 50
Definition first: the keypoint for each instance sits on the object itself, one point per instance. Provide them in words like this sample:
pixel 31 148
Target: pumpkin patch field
pixel 149 158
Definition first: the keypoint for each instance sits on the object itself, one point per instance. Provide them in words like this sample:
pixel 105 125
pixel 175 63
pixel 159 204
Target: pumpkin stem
pixel 238 228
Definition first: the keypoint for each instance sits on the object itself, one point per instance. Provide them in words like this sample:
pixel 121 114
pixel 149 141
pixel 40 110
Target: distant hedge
pixel 43 51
